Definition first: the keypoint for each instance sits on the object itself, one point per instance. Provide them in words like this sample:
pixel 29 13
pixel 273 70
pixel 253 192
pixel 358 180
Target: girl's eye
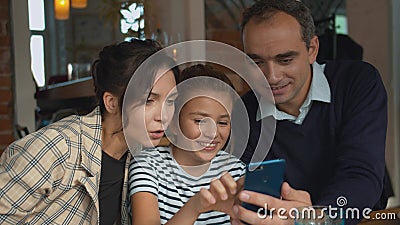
pixel 223 123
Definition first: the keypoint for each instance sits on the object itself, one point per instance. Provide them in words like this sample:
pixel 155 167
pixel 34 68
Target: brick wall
pixel 6 77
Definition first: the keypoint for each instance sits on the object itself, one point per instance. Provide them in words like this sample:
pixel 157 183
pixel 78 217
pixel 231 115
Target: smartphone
pixel 264 177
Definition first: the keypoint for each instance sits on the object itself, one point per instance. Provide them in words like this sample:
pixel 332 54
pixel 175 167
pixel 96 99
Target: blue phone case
pixel 264 177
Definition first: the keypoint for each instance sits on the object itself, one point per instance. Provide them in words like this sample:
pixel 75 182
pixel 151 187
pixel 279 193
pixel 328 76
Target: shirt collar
pixel 319 91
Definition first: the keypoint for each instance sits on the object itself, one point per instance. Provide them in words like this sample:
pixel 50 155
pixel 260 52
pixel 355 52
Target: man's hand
pixel 291 198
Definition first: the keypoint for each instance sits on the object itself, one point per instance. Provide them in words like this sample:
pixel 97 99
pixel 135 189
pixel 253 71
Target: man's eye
pixel 254 61
pixel 149 101
pixel 285 61
pixel 170 101
pixel 257 62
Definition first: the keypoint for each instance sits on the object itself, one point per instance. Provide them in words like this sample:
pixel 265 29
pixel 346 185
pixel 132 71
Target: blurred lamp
pixel 79 4
pixel 61 9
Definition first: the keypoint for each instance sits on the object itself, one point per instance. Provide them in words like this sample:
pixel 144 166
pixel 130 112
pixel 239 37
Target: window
pixel 37 59
pixel 37 26
pixel 55 44
pixel 341 24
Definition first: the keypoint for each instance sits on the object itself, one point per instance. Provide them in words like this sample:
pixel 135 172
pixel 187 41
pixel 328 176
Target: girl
pixel 193 181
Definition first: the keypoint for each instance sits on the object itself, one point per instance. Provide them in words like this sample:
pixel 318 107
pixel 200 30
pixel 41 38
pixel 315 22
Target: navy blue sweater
pixel 339 150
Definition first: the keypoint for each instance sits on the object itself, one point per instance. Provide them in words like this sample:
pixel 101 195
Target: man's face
pixel 277 47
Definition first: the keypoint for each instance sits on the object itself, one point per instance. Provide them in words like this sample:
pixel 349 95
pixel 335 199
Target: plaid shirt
pixel 52 176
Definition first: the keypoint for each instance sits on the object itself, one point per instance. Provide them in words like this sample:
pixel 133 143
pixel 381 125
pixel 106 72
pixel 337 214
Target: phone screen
pixel 264 177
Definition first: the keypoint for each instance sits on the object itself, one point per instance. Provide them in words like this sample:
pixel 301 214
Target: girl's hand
pixel 219 197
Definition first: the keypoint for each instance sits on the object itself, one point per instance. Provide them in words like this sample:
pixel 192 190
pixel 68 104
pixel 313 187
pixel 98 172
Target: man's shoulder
pixel 249 100
pixel 352 75
pixel 251 104
pixel 347 69
pixel 249 96
pixel 348 63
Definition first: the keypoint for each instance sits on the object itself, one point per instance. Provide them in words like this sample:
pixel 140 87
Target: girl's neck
pixel 184 159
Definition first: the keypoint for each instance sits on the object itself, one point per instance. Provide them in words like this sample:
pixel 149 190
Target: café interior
pixel 47 47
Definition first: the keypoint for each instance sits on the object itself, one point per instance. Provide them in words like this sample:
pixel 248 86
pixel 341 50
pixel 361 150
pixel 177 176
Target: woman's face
pixel 147 122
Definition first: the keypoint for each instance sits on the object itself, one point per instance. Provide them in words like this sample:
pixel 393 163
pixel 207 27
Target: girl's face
pixel 204 129
pixel 147 122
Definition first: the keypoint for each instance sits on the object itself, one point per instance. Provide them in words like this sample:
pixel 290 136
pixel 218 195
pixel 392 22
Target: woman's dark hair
pixel 116 64
pixel 263 10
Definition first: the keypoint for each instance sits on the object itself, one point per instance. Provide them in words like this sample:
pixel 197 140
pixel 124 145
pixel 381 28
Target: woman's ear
pixel 111 103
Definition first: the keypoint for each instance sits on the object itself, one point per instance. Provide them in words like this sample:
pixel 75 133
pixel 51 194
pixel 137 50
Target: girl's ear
pixel 111 103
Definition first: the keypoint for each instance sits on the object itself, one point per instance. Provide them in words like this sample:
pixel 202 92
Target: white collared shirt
pixel 319 91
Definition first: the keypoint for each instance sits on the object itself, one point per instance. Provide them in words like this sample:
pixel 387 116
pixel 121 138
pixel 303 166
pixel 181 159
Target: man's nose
pixel 271 73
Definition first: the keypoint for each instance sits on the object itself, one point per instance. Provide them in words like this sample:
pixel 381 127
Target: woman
pixel 75 170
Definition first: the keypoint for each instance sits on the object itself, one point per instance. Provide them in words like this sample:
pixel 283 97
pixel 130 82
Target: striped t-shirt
pixel 156 171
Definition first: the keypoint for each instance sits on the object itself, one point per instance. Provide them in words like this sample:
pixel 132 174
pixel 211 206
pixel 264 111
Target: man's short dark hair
pixel 263 10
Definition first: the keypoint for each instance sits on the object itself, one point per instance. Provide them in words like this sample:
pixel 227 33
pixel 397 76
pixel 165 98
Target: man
pixel 331 119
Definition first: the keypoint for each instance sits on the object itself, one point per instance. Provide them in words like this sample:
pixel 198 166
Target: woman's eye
pixel 149 101
pixel 199 121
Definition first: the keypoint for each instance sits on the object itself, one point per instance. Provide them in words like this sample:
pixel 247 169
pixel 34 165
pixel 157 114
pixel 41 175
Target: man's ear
pixel 111 103
pixel 313 49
